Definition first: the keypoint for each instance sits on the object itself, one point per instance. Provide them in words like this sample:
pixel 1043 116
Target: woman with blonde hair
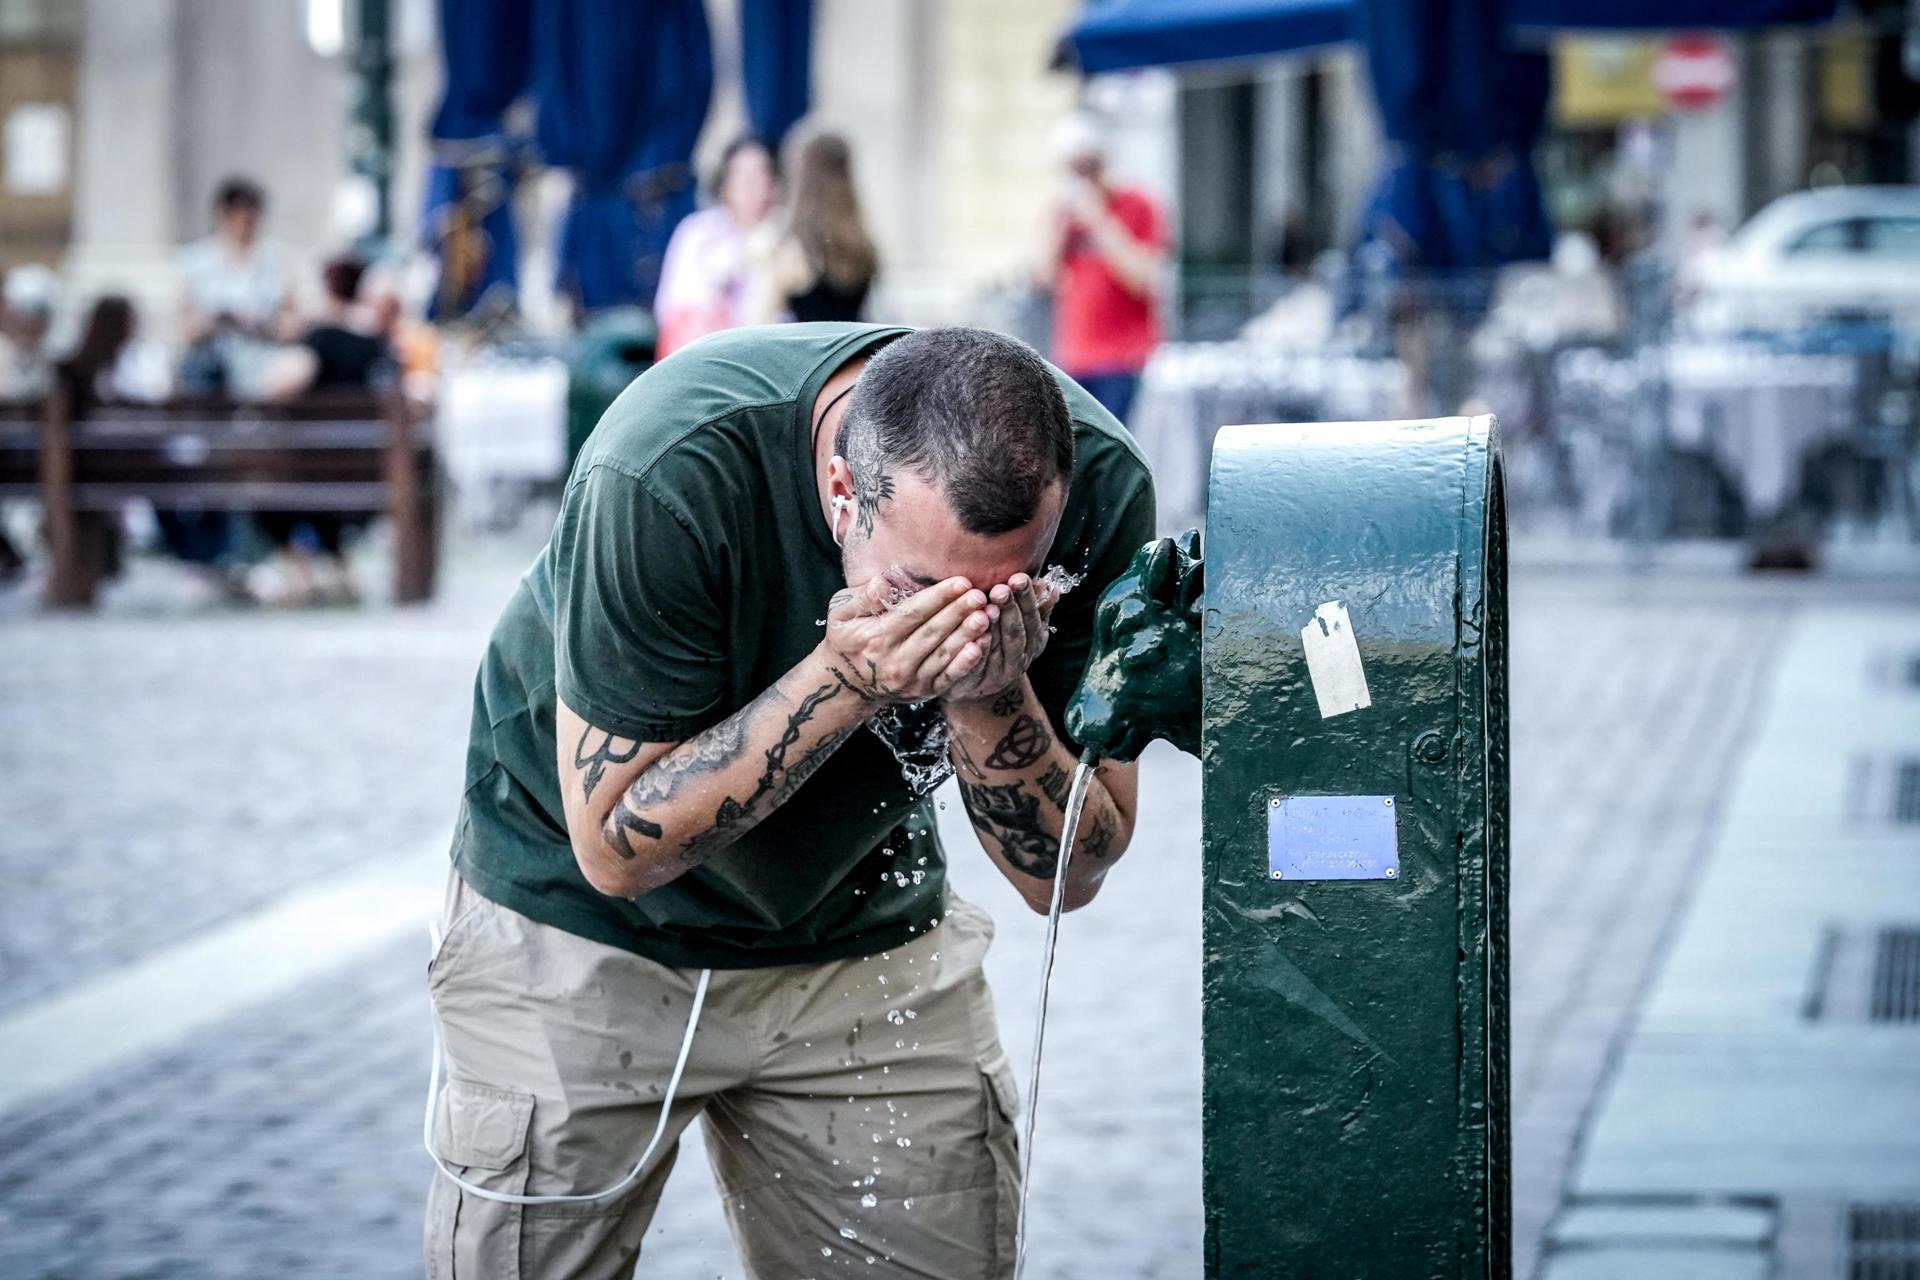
pixel 823 265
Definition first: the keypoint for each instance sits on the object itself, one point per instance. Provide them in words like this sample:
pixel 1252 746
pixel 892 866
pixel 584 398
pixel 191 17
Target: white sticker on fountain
pixel 1333 661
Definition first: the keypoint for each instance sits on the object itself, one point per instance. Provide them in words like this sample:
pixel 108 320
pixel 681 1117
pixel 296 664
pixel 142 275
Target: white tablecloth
pixel 1190 390
pixel 503 419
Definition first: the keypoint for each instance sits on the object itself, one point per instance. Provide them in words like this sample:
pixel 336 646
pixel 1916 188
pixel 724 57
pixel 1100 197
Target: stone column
pixel 127 149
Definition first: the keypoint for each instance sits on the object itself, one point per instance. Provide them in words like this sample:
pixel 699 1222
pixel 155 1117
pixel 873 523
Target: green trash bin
pixel 613 350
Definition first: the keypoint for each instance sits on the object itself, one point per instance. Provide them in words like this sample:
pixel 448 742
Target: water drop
pixel 848 1233
pixel 903 1142
pixel 907 1203
pixel 869 1200
pixel 825 1252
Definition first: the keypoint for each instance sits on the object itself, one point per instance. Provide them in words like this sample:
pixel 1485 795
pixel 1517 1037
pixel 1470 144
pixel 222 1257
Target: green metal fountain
pixel 1341 672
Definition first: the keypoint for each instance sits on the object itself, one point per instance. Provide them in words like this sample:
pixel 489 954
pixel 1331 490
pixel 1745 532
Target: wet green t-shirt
pixel 689 568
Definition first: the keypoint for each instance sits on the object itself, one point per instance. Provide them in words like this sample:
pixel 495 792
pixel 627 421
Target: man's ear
pixel 839 480
pixel 840 498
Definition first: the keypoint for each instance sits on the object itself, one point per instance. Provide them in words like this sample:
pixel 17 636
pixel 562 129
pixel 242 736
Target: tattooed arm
pixel 639 814
pixel 1014 774
pixel 642 813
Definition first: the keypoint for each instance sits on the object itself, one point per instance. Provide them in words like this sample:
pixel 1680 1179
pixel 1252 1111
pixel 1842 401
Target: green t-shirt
pixel 689 568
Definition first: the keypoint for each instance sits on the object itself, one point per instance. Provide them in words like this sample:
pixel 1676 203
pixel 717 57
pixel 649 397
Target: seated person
pixel 344 349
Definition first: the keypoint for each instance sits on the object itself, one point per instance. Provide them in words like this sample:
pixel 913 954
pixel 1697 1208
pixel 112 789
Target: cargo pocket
pixel 481 1135
pixel 1001 1101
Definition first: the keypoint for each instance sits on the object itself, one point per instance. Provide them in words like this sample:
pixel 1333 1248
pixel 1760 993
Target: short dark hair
pixel 978 413
pixel 239 193
pixel 341 277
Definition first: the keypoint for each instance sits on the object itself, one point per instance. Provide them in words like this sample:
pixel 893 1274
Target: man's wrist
pixel 863 700
pixel 1001 705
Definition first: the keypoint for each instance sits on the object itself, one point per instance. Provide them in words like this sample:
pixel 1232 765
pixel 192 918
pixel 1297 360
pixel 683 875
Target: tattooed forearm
pixel 1011 815
pixel 595 762
pixel 1097 838
pixel 778 779
pixel 1026 742
pixel 1055 783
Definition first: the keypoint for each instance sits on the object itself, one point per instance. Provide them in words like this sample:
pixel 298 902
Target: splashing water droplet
pixel 869 1200
pixel 825 1252
pixel 848 1233
pixel 916 734
pixel 903 1142
pixel 1055 581
pixel 907 1203
pixel 896 1018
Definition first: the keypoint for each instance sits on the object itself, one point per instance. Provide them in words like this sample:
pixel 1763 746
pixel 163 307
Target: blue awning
pixel 1705 15
pixel 1117 35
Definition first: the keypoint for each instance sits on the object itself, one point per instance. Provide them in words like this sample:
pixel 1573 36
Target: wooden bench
pixel 350 453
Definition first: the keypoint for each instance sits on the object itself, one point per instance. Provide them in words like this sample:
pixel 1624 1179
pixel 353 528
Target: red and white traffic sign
pixel 1694 71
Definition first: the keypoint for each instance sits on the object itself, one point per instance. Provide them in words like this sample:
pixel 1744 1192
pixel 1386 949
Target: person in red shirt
pixel 1110 245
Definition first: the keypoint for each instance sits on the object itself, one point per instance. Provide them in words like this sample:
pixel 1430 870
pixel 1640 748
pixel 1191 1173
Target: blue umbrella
pixel 1614 15
pixel 1116 35
pixel 1461 111
pixel 623 86
pixel 776 59
pixel 467 213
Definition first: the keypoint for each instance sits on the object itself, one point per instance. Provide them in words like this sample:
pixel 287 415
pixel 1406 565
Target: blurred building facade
pixel 119 119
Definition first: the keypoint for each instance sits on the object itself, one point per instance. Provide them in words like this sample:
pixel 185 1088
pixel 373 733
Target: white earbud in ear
pixel 842 503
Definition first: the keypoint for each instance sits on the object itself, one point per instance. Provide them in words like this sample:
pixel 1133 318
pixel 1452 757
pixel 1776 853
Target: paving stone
pixel 1659 1264
pixel 1627 1224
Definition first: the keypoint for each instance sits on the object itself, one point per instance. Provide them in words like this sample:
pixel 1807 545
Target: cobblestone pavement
pixel 268 750
pixel 161 772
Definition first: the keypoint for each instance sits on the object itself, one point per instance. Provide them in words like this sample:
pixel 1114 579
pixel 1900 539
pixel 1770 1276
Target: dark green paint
pixel 1143 677
pixel 1356 1096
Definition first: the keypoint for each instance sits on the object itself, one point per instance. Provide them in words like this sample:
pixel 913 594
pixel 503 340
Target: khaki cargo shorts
pixel 868 1096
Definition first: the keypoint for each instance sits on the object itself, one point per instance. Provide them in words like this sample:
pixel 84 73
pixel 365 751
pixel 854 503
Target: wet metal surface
pixel 1355 1098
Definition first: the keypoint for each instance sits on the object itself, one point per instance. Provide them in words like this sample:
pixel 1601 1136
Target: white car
pixel 1813 256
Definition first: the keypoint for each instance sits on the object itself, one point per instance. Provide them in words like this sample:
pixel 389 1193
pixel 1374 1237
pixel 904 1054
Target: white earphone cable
pixel 666 1110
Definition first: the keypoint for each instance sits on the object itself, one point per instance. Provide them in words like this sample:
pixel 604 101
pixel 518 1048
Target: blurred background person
pixel 1110 246
pixel 347 348
pixel 236 298
pixel 106 364
pixel 823 265
pixel 704 285
pixel 27 305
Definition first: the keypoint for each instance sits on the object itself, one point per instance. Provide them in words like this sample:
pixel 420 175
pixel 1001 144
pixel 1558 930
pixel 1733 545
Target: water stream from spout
pixel 1076 801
